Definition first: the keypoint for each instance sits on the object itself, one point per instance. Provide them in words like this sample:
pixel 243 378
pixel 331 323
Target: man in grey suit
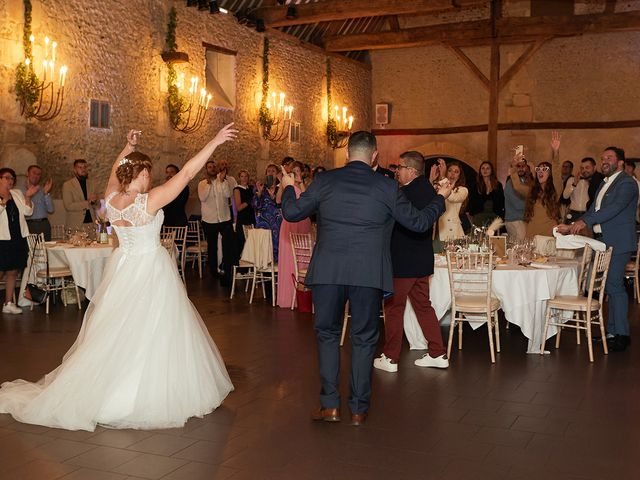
pixel 356 209
pixel 612 218
pixel 79 196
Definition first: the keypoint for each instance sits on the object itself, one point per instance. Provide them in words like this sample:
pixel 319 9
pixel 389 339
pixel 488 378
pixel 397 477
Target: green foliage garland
pixel 265 119
pixel 175 101
pixel 26 79
pixel 332 128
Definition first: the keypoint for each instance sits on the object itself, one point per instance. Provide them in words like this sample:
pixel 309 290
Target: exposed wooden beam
pixel 520 62
pixel 494 85
pixel 473 68
pixel 315 12
pixel 610 6
pixel 509 126
pixel 475 33
pixel 393 23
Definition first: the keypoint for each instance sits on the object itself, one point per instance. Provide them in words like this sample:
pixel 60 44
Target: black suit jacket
pixel 356 210
pixel 594 184
pixel 412 252
pixel 385 171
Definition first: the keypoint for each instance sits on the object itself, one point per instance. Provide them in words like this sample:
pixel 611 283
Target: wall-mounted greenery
pixel 332 127
pixel 265 118
pixel 175 101
pixel 26 79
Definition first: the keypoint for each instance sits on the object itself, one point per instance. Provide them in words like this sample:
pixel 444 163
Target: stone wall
pixel 588 78
pixel 113 51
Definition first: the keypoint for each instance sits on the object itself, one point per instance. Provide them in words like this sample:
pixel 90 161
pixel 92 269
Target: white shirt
pixel 214 200
pixel 607 183
pixel 579 195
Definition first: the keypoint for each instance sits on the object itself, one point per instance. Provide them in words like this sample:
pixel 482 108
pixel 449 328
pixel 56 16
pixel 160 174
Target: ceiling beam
pixel 520 62
pixel 315 12
pixel 509 30
pixel 467 62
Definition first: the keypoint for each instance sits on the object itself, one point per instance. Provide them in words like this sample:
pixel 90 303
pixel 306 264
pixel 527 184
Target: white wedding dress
pixel 143 358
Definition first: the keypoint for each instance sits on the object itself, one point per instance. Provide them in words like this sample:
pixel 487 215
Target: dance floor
pixel 526 417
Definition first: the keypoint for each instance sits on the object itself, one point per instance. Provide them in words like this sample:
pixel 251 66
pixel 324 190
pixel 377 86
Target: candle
pixel 53 51
pixel 63 75
pixel 281 99
pixel 51 67
pixel 203 95
pixel 44 69
pixel 46 47
pixel 290 111
pixel 350 122
pixel 208 100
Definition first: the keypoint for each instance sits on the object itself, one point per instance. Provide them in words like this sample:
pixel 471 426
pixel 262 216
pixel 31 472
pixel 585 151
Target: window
pixel 221 76
pixel 100 114
pixel 294 132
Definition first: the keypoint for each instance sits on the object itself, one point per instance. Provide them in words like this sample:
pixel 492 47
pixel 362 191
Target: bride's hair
pixel 130 167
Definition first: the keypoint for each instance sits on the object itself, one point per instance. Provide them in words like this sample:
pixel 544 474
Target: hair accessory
pixel 124 160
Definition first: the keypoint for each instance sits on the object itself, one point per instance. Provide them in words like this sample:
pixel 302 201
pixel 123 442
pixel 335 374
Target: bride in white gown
pixel 143 358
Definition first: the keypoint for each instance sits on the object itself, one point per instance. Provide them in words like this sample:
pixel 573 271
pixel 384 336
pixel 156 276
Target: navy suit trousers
pixel 617 322
pixel 329 302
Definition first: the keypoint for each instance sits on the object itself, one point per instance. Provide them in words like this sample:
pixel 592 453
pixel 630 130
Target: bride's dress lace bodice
pixel 143 235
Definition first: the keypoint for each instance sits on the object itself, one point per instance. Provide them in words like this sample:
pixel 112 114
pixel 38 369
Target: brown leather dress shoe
pixel 326 415
pixel 358 419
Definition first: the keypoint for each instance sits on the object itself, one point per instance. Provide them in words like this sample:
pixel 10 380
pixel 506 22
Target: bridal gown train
pixel 143 358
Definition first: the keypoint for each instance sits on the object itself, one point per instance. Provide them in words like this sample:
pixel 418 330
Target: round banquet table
pixel 523 293
pixel 86 264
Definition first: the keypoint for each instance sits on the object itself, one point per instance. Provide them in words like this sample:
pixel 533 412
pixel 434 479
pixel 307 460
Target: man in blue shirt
pixel 513 202
pixel 38 222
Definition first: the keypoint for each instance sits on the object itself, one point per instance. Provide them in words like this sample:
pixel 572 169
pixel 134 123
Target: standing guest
pixel 287 164
pixel 487 200
pixel 351 261
pixel 242 195
pixel 514 199
pixel 306 174
pixel 79 196
pixel 214 193
pixel 13 232
pixel 577 190
pixel 629 169
pixel 449 224
pixel 317 170
pixel 412 260
pixel 285 259
pixel 612 218
pixel 223 165
pixel 268 214
pixel 393 168
pixel 381 170
pixel 594 182
pixel 38 221
pixel 175 214
pixel 542 209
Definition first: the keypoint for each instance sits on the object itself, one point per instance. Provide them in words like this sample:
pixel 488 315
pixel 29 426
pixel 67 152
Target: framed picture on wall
pixel 382 113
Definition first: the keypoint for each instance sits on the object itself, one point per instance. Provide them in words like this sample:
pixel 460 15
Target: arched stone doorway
pixel 469 172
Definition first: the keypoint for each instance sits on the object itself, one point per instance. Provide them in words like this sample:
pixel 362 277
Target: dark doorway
pixel 470 173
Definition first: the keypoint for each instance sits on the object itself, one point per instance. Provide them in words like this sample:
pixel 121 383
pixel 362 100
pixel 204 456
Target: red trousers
pixel 417 289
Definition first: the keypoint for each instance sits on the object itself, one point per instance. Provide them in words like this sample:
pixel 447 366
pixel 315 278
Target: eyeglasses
pixel 403 166
pixel 8 177
pixel 542 169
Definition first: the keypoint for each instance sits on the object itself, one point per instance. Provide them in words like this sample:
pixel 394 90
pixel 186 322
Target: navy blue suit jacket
pixel 617 214
pixel 356 208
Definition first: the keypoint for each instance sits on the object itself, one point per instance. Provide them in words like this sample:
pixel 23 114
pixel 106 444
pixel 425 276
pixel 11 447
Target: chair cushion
pixel 195 249
pixel 245 264
pixel 475 303
pixel 55 272
pixel 563 302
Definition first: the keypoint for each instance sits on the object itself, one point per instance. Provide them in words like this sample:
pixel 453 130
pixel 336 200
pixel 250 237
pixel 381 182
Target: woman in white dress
pixel 449 225
pixel 143 358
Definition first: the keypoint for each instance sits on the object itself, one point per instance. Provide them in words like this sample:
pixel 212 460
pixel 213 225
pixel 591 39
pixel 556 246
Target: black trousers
pixel 329 302
pixel 40 226
pixel 211 232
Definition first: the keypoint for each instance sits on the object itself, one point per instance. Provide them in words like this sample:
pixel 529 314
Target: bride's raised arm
pixel 132 140
pixel 163 194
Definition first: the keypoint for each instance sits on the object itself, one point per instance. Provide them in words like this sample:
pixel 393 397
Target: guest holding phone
pixel 242 195
pixel 268 214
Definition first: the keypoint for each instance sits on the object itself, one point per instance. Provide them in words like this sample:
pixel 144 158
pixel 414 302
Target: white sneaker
pixel 427 361
pixel 384 363
pixel 11 308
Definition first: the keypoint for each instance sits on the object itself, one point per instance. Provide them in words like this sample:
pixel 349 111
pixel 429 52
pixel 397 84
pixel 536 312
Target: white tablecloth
pixel 86 265
pixel 523 293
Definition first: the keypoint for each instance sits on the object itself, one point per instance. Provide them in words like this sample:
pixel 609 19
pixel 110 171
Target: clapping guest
pixel 38 221
pixel 514 200
pixel 243 194
pixel 542 208
pixel 487 200
pixel 268 214
pixel 285 260
pixel 449 224
pixel 14 251
pixel 175 214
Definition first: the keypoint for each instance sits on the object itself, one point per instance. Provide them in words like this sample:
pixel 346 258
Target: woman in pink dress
pixel 285 257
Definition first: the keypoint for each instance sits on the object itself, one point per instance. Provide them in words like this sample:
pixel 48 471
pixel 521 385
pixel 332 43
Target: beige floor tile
pixel 40 470
pixel 89 474
pixel 24 440
pixel 162 444
pixel 119 438
pixel 73 435
pixel 200 471
pixel 150 466
pixel 60 450
pixel 208 452
pixel 103 458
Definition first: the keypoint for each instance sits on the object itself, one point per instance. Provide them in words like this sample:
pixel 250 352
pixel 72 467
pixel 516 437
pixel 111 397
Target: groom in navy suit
pixel 611 216
pixel 356 209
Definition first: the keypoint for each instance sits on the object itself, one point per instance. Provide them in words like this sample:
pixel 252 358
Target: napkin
pixel 543 265
pixel 573 242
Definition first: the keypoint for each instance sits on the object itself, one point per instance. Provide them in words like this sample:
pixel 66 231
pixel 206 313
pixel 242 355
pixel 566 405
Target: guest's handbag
pixel 303 296
pixel 33 292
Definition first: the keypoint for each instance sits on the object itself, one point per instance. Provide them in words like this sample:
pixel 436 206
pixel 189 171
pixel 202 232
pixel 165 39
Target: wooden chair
pixel 302 249
pixel 258 253
pixel 244 269
pixel 168 241
pixel 586 310
pixel 196 247
pixel 347 316
pixel 631 273
pixel 54 279
pixel 471 299
pixel 181 245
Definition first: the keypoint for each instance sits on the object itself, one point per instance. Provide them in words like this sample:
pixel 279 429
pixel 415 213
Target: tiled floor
pixel 526 417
